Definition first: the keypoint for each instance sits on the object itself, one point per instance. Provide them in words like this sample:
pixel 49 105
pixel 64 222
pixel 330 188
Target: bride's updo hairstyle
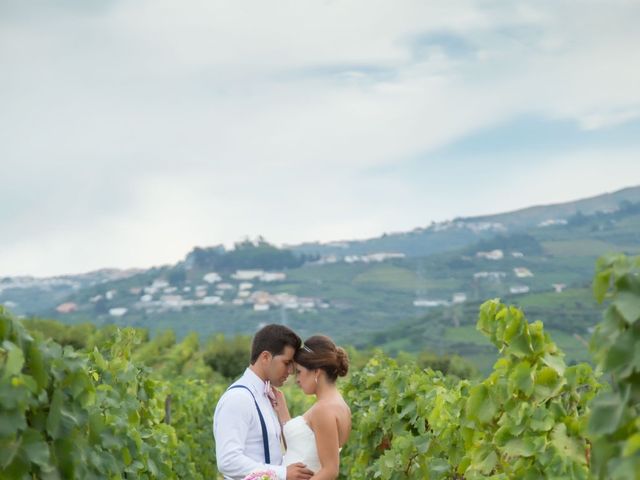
pixel 319 352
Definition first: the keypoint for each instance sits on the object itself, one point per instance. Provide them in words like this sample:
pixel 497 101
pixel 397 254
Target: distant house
pixel 212 277
pixel 260 297
pixel 173 301
pixel 495 276
pixel 429 303
pixel 492 255
pixel 273 277
pixel 261 307
pixel 118 311
pixel 68 307
pixel 559 287
pixel 551 222
pixel 517 289
pixel 382 256
pixel 517 254
pixel 159 283
pixel 110 295
pixel 213 300
pixel 459 298
pixel 373 257
pixel 247 274
pixel 245 286
pixel 522 272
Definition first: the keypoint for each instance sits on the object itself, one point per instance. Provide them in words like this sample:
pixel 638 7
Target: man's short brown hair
pixel 273 339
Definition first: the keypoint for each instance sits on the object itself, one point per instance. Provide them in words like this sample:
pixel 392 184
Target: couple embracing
pixel 252 426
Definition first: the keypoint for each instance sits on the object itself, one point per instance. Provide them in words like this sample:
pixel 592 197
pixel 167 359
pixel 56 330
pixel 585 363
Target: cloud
pixel 203 121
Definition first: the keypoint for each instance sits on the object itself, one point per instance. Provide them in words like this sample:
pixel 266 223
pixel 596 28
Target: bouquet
pixel 262 475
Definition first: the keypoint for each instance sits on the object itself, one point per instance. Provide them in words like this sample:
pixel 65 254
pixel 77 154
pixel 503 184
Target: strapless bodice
pixel 301 444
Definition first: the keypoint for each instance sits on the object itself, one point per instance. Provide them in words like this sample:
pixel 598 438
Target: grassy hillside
pixel 372 304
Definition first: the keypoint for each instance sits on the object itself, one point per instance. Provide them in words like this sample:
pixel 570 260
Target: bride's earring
pixel 316 379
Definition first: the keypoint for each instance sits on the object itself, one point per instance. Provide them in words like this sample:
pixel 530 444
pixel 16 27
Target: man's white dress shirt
pixel 237 431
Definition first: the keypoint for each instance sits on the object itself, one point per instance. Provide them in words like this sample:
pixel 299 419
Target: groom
pixel 245 426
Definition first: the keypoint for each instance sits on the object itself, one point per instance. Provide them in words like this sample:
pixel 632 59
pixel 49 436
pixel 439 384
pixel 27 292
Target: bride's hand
pixel 280 405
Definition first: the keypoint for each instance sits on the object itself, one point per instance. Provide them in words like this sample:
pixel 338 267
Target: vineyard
pixel 81 402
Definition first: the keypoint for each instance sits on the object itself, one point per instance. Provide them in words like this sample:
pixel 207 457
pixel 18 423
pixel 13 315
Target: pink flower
pixel 262 475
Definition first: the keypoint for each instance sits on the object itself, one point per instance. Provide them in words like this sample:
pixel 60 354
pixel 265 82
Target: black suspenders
pixel 265 437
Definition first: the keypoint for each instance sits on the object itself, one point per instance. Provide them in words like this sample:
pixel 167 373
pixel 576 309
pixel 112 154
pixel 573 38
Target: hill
pixel 397 300
pixel 461 232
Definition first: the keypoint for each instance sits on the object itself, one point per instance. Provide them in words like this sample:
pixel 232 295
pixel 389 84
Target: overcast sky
pixel 132 131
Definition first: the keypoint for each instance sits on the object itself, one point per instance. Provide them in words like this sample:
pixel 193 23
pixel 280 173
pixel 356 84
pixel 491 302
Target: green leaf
pixel 555 361
pixel 601 283
pixel 619 360
pixel 606 412
pixel 55 415
pixel 541 420
pixel 547 382
pixel 35 448
pixel 523 447
pixel 11 421
pixel 480 406
pixel 8 449
pixel 568 447
pixel 15 360
pixel 632 445
pixel 521 378
pixel 489 462
pixel 628 304
pixel 36 366
pixel 99 359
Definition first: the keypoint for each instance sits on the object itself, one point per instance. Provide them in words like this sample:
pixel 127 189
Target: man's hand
pixel 298 471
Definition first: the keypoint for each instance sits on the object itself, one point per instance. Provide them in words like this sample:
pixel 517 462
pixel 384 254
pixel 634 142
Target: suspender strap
pixel 265 437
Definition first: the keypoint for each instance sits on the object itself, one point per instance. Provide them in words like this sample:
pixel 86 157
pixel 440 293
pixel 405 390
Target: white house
pixel 212 300
pixel 117 312
pixel 522 272
pixel 551 222
pixel 160 283
pixel 247 274
pixel 273 277
pixel 429 303
pixel 212 277
pixel 490 275
pixel 517 289
pixel 559 287
pixel 459 297
pixel 492 255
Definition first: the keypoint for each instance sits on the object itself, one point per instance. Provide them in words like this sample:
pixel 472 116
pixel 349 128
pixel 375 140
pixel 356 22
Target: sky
pixel 132 131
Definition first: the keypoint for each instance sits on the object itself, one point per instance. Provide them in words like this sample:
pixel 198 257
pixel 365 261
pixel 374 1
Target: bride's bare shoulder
pixel 329 409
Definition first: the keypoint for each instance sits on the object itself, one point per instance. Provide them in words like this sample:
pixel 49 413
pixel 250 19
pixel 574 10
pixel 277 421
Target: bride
pixel 316 437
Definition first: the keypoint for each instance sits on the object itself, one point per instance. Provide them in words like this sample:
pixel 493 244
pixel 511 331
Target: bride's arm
pixel 325 427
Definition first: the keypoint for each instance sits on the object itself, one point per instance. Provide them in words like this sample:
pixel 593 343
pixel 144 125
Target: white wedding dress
pixel 301 444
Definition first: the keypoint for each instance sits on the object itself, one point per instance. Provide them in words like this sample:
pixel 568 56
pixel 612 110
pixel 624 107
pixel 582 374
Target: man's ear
pixel 266 356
